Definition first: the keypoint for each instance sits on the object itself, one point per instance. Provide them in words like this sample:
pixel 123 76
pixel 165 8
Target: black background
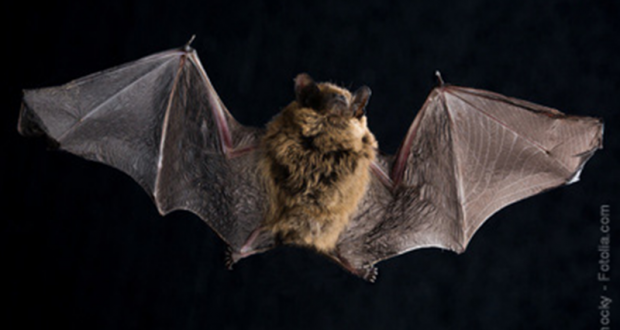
pixel 84 248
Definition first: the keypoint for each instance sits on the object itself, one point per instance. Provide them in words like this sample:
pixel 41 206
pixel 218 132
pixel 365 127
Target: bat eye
pixel 310 97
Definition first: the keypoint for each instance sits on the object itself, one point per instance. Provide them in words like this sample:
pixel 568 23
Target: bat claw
pixel 188 45
pixel 439 78
pixel 369 273
pixel 230 258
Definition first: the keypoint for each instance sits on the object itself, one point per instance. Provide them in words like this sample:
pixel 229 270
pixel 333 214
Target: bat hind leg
pixel 233 256
pixel 367 272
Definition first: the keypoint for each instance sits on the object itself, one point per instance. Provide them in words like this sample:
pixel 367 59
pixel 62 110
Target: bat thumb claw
pixel 439 78
pixel 188 45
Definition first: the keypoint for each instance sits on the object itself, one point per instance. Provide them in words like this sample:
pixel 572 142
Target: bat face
pixel 329 99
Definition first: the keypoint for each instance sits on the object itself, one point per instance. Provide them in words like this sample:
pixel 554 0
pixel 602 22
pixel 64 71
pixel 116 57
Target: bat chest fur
pixel 316 177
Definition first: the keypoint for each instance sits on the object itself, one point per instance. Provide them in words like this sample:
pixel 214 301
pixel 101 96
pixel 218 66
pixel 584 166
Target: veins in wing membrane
pixel 107 100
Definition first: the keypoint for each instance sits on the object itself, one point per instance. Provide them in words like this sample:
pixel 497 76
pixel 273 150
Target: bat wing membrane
pixel 467 154
pixel 159 120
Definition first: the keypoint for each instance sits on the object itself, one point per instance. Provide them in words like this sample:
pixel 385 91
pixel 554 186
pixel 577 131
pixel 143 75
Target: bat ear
pixel 360 100
pixel 307 92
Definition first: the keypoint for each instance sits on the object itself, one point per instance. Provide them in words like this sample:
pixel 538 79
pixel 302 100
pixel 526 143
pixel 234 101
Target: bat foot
pixel 231 257
pixel 368 273
pixel 258 241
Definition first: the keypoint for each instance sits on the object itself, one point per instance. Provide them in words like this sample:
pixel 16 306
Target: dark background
pixel 83 247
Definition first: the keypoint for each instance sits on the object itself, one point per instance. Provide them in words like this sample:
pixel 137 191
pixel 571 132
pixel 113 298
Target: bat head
pixel 329 99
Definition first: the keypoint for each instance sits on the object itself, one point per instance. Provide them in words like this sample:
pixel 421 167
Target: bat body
pixel 313 177
pixel 317 163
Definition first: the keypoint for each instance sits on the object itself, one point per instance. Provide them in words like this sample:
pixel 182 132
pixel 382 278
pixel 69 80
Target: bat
pixel 313 176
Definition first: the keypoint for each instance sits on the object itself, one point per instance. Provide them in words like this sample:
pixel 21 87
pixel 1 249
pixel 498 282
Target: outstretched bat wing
pixel 159 120
pixel 467 154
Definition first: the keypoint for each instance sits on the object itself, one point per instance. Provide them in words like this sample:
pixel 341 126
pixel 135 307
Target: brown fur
pixel 316 170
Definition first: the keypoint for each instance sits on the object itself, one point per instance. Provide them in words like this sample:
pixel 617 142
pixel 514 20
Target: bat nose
pixel 339 100
pixel 338 104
